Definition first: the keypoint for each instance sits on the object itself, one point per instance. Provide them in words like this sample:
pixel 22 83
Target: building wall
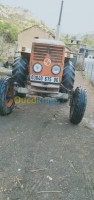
pixel 89 68
pixel 26 37
pixel 75 42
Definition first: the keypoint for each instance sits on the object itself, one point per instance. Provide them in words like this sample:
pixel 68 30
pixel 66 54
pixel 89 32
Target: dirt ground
pixel 43 156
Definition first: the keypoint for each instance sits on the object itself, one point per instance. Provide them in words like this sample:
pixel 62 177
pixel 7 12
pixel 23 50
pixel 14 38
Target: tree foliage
pixel 14 20
pixel 88 40
pixel 65 40
pixel 8 31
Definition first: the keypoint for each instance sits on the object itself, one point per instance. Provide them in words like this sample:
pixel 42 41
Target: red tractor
pixel 44 72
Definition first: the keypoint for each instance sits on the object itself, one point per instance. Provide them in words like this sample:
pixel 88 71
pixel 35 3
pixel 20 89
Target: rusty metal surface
pixel 41 85
pixel 45 91
pixel 35 90
pixel 41 53
pixel 49 42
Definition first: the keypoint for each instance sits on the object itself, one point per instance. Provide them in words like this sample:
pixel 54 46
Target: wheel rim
pixel 9 97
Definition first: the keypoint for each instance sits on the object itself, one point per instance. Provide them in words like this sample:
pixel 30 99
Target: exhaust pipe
pixel 59 23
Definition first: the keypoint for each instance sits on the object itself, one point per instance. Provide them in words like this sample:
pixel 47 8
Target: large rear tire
pixel 20 71
pixel 68 77
pixel 78 105
pixel 6 96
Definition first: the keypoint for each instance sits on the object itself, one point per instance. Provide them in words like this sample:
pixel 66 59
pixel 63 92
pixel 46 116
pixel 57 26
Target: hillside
pixel 13 20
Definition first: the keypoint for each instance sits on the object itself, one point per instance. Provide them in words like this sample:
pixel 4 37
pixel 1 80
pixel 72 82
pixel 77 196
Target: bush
pixel 65 40
pixel 8 31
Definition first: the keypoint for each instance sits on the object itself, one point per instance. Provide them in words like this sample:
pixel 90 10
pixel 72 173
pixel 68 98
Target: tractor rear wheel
pixel 6 96
pixel 78 105
pixel 20 71
pixel 68 77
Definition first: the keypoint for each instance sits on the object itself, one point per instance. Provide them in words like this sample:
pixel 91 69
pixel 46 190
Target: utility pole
pixel 59 22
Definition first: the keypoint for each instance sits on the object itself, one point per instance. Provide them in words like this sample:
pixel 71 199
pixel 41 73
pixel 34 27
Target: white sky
pixel 78 15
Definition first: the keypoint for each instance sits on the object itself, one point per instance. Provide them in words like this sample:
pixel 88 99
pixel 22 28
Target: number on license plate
pixel 48 79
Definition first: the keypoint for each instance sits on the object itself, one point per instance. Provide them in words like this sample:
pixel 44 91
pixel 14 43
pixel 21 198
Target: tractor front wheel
pixel 6 96
pixel 78 105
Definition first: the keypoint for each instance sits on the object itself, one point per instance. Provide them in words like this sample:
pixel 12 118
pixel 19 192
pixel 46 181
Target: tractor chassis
pixel 29 91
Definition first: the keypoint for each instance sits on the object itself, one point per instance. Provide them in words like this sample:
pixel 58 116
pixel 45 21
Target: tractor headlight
pixel 56 69
pixel 37 67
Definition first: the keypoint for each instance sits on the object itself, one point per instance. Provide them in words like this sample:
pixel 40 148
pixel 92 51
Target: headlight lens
pixel 56 69
pixel 37 67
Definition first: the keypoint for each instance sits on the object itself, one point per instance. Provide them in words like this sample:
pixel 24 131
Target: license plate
pixel 48 79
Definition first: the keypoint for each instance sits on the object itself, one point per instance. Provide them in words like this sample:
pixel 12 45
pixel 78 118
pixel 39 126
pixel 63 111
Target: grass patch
pixel 84 75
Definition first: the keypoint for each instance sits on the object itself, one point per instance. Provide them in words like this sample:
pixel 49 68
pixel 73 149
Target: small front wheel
pixel 6 96
pixel 78 105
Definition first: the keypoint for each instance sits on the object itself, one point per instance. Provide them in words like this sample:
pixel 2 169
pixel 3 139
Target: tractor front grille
pixel 41 51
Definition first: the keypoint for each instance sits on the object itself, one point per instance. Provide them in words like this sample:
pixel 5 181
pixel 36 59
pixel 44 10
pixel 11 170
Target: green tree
pixel 8 31
pixel 74 37
pixel 65 40
pixel 88 40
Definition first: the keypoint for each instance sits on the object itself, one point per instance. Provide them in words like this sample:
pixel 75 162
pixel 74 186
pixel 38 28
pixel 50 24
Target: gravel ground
pixel 43 156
